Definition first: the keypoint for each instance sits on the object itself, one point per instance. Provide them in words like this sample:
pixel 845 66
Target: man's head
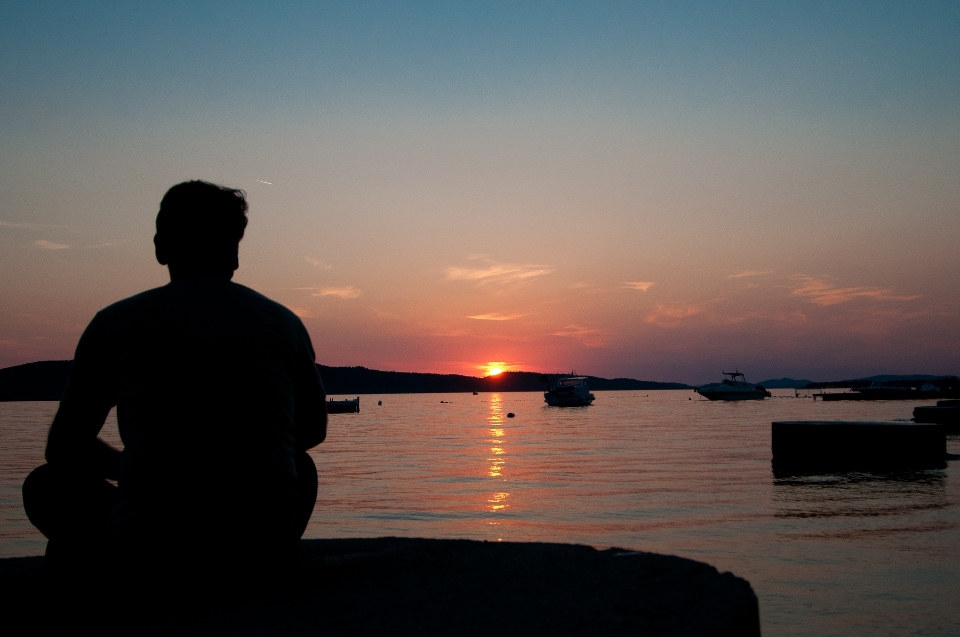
pixel 199 228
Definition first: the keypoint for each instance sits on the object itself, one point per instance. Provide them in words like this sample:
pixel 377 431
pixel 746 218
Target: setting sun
pixel 494 368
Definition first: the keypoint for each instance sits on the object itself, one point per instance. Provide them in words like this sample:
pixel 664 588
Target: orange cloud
pixel 589 336
pixel 745 273
pixel 318 264
pixel 344 292
pixel 820 292
pixel 494 316
pixel 671 316
pixel 643 286
pixel 576 331
pixel 499 273
pixel 50 245
pixel 301 312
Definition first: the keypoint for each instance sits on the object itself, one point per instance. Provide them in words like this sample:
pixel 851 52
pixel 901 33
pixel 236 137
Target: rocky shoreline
pixel 412 586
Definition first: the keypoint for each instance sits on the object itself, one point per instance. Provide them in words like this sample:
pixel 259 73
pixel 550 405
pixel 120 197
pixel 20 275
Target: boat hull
pixel 554 400
pixel 734 395
pixel 344 406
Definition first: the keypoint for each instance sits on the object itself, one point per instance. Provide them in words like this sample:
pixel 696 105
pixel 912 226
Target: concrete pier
pixel 406 586
pixel 814 445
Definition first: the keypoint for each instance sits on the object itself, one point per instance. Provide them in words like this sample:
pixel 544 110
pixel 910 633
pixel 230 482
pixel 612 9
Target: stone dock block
pixel 856 444
pixel 413 586
pixel 945 412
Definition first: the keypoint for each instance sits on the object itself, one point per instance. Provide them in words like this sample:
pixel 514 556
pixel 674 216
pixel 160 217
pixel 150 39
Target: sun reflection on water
pixel 497 501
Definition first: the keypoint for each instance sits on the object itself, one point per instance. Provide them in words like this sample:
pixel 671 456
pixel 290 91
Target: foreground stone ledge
pixel 409 586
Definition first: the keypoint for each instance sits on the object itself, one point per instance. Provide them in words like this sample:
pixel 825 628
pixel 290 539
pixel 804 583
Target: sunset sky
pixel 656 190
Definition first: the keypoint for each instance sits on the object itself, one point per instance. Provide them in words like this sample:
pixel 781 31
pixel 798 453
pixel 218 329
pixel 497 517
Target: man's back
pixel 218 398
pixel 210 380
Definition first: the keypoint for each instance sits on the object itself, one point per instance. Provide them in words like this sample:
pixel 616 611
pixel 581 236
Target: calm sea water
pixel 850 554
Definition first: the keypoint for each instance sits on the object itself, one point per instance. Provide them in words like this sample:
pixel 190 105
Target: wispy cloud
pixel 783 318
pixel 302 312
pixel 576 331
pixel 28 226
pixel 39 320
pixel 746 273
pixel 343 292
pixel 318 264
pixel 498 273
pixel 588 336
pixel 671 315
pixel 495 316
pixel 820 292
pixel 643 286
pixel 50 245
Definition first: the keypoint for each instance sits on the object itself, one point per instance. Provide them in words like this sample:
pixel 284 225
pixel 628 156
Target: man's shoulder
pixel 256 299
pixel 140 301
pixel 200 296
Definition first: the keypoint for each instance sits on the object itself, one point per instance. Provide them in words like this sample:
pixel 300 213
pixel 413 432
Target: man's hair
pixel 201 223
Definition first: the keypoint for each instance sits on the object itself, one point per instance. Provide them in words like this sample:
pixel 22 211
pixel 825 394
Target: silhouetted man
pixel 218 399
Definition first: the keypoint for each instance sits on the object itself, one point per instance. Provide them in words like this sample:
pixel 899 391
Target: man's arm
pixel 310 411
pixel 87 400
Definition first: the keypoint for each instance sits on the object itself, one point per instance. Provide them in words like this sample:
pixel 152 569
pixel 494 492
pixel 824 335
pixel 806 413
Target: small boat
pixel 571 391
pixel 941 388
pixel 349 406
pixel 733 387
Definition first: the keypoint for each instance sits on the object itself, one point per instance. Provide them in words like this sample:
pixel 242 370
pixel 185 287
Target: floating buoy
pixel 510 414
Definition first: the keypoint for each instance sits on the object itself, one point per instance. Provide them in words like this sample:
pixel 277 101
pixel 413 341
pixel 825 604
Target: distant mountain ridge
pixel 43 380
pixel 905 380
pixel 785 383
pixel 361 380
pixel 46 380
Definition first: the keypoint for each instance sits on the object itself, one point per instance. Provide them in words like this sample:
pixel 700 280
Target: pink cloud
pixel 820 292
pixel 495 316
pixel 671 315
pixel 746 273
pixel 343 292
pixel 50 245
pixel 499 273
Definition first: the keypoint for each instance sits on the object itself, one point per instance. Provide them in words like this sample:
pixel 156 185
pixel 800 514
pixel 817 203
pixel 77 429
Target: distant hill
pixel 361 380
pixel 903 380
pixel 45 380
pixel 784 383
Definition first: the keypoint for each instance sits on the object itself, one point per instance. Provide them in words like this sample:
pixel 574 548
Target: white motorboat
pixel 569 392
pixel 734 386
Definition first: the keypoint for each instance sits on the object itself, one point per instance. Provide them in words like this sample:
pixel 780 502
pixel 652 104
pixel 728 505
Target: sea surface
pixel 663 471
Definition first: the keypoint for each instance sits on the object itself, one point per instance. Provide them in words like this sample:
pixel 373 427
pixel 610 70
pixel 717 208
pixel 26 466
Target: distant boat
pixel 733 387
pixel 941 388
pixel 569 392
pixel 349 406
